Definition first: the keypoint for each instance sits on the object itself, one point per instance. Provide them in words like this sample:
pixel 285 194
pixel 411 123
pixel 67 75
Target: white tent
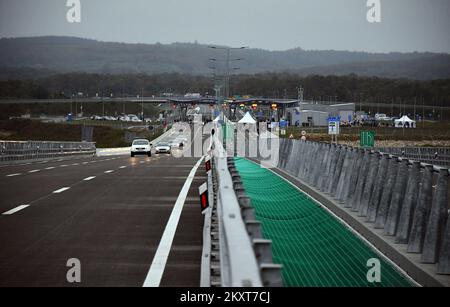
pixel 405 122
pixel 247 119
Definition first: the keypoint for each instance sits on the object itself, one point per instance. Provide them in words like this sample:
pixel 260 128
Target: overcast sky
pixel 407 25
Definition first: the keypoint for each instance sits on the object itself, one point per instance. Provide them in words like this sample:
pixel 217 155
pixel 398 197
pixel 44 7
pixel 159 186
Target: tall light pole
pixel 227 66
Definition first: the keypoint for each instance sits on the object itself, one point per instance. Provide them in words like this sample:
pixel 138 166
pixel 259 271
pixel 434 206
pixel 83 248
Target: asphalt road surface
pixel 108 212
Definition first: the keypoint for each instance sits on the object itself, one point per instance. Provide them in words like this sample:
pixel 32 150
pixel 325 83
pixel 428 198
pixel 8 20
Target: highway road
pixel 108 212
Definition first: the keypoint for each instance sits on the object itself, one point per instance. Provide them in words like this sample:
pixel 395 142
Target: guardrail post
pixel 421 213
pixel 292 158
pixel 378 188
pixel 386 196
pixel 409 204
pixel 437 219
pixel 356 199
pixel 398 194
pixel 323 169
pixel 369 186
pixel 355 172
pixel 334 162
pixel 345 175
pixel 444 256
pixel 338 170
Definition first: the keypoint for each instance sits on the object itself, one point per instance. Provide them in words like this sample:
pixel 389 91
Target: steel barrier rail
pixel 29 150
pixel 245 256
pixel 239 267
pixel 432 155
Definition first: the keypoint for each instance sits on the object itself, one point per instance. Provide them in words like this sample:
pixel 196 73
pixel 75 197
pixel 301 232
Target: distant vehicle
pixel 382 117
pixel 193 95
pixel 141 147
pixel 133 118
pixel 124 118
pixel 162 148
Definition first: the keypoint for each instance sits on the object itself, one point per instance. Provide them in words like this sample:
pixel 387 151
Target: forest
pixel 349 88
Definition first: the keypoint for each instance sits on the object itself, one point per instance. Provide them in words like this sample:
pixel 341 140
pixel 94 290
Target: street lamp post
pixel 227 66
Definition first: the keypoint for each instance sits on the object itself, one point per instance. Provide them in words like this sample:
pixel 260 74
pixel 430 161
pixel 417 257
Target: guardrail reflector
pixel 204 201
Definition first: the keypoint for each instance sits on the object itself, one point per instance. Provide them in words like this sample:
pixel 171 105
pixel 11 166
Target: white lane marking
pixel 61 190
pixel 12 211
pixel 49 168
pixel 122 167
pixel 34 171
pixel 89 178
pixel 85 163
pixel 156 270
pixel 108 172
pixel 14 175
pixel 64 165
pixel 75 164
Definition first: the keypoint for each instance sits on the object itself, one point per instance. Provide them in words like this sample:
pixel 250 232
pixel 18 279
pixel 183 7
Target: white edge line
pixel 89 178
pixel 158 265
pixel 16 209
pixel 399 269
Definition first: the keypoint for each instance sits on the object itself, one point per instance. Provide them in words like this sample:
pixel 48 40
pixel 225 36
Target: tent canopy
pixel 405 121
pixel 247 119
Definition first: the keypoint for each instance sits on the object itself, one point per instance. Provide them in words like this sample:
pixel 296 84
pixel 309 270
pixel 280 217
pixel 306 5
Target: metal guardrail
pixel 245 256
pixel 29 150
pixel 432 155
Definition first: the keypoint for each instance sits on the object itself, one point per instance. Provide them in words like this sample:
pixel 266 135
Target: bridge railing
pixel 29 150
pixel 405 199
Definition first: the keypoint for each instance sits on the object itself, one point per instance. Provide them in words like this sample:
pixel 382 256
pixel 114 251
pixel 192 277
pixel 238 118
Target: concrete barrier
pixel 409 204
pixel 350 190
pixel 444 256
pixel 334 162
pixel 436 222
pixel 392 193
pixel 356 200
pixel 390 228
pixel 418 228
pixel 338 170
pixel 344 179
pixel 369 186
pixel 378 188
pixel 386 196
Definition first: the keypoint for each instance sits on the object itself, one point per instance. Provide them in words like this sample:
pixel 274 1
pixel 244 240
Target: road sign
pixel 367 138
pixel 333 125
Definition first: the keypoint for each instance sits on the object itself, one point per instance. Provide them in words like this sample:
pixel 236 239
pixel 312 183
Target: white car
pixel 141 147
pixel 162 148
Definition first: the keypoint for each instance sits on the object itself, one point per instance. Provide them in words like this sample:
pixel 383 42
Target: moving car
pixel 141 147
pixel 163 148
